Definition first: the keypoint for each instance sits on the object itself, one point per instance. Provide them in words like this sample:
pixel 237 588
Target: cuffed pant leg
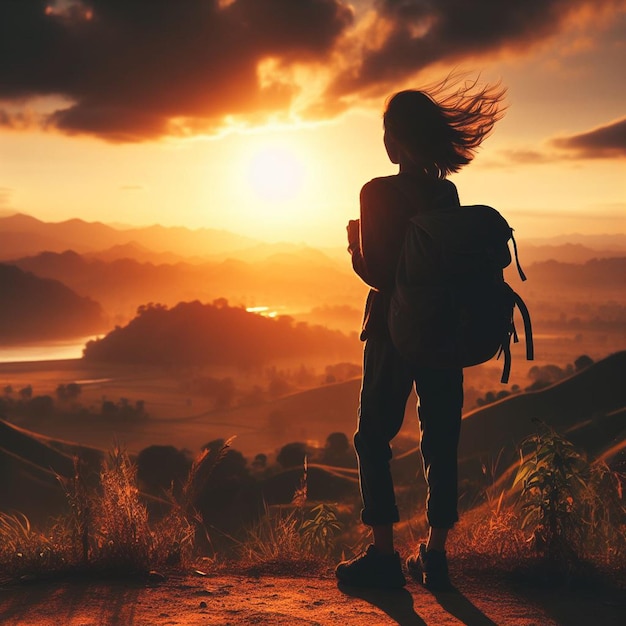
pixel 440 406
pixel 384 393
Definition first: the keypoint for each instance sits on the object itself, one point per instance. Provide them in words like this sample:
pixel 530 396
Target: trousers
pixel 386 385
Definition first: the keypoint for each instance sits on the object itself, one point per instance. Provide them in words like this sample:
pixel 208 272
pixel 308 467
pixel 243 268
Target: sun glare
pixel 275 174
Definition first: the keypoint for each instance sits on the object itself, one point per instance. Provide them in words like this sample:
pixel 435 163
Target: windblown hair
pixel 441 127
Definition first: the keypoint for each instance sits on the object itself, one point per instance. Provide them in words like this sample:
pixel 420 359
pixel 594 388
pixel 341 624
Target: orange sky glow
pixel 265 119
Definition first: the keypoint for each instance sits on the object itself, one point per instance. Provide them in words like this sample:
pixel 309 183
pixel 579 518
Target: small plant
pixel 293 536
pixel 554 477
pixel 319 530
pixel 573 507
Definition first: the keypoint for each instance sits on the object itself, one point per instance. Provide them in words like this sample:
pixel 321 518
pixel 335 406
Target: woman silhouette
pixel 429 135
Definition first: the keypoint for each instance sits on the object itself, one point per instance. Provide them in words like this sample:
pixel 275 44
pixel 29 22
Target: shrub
pixel 573 507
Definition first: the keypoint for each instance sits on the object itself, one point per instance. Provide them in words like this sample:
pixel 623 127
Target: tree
pixel 73 390
pixel 61 393
pixel 337 451
pixel 582 362
pixel 161 467
pixel 259 464
pixel 278 386
pixel 292 455
pixel 26 393
pixel 41 406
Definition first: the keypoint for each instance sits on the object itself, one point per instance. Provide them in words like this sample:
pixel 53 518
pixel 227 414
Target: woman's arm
pixel 381 232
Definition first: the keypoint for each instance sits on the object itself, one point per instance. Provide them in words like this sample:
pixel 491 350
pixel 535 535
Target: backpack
pixel 450 306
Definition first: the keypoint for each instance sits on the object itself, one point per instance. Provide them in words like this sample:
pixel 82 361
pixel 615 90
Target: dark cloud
pixel 607 141
pixel 140 69
pixel 420 33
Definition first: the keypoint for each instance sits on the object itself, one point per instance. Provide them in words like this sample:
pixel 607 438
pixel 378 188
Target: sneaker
pixel 372 569
pixel 430 568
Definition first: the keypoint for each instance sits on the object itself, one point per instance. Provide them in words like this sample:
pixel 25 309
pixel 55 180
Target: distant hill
pixel 587 395
pixel 22 235
pixel 296 279
pixel 596 274
pixel 136 252
pixel 29 465
pixel 565 253
pixel 299 279
pixel 192 333
pixel 33 309
pixel 607 241
pixel 587 407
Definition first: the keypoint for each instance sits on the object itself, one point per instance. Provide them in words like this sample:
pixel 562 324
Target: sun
pixel 273 186
pixel 275 174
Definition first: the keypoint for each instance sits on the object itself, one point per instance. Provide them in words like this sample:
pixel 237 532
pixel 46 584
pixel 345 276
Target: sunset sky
pixel 263 117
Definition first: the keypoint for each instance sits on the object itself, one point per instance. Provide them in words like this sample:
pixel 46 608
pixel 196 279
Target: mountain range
pixel 22 235
pixel 124 269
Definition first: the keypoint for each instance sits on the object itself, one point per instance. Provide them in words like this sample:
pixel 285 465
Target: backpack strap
pixel 505 348
pixel 519 267
pixel 528 330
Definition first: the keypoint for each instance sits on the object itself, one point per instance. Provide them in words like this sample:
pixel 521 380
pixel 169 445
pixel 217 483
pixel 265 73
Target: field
pixel 187 419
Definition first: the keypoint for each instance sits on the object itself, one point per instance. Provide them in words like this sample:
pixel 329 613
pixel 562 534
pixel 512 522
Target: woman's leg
pixel 384 392
pixel 440 406
pixel 440 395
pixel 385 389
pixel 437 538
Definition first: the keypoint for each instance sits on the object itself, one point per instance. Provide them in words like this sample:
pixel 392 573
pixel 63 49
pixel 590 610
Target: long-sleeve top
pixel 387 204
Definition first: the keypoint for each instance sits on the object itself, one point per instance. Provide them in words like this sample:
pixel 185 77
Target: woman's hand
pixel 354 236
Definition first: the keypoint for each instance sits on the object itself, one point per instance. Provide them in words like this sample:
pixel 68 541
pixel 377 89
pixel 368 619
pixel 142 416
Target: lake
pixel 47 351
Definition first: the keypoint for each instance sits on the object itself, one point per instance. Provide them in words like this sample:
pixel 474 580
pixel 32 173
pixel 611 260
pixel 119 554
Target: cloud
pixel 608 141
pixel 603 142
pixel 410 35
pixel 143 69
pixel 524 157
pixel 6 194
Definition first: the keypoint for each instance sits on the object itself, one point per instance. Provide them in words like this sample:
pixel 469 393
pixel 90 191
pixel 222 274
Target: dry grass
pixel 108 530
pixel 297 538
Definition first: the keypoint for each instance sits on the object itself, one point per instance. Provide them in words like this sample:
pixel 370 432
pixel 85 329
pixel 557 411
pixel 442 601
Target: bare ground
pixel 194 600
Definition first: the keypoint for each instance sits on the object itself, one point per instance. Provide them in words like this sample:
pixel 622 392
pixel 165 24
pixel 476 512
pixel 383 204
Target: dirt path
pixel 195 601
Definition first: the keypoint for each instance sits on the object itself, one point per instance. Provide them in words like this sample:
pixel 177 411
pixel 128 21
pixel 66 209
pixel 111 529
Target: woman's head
pixel 439 133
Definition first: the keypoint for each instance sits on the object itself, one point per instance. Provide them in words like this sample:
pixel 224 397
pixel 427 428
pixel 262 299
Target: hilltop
pixel 225 598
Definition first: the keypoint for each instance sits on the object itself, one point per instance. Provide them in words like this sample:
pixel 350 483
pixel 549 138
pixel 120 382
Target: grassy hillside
pixel 586 407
